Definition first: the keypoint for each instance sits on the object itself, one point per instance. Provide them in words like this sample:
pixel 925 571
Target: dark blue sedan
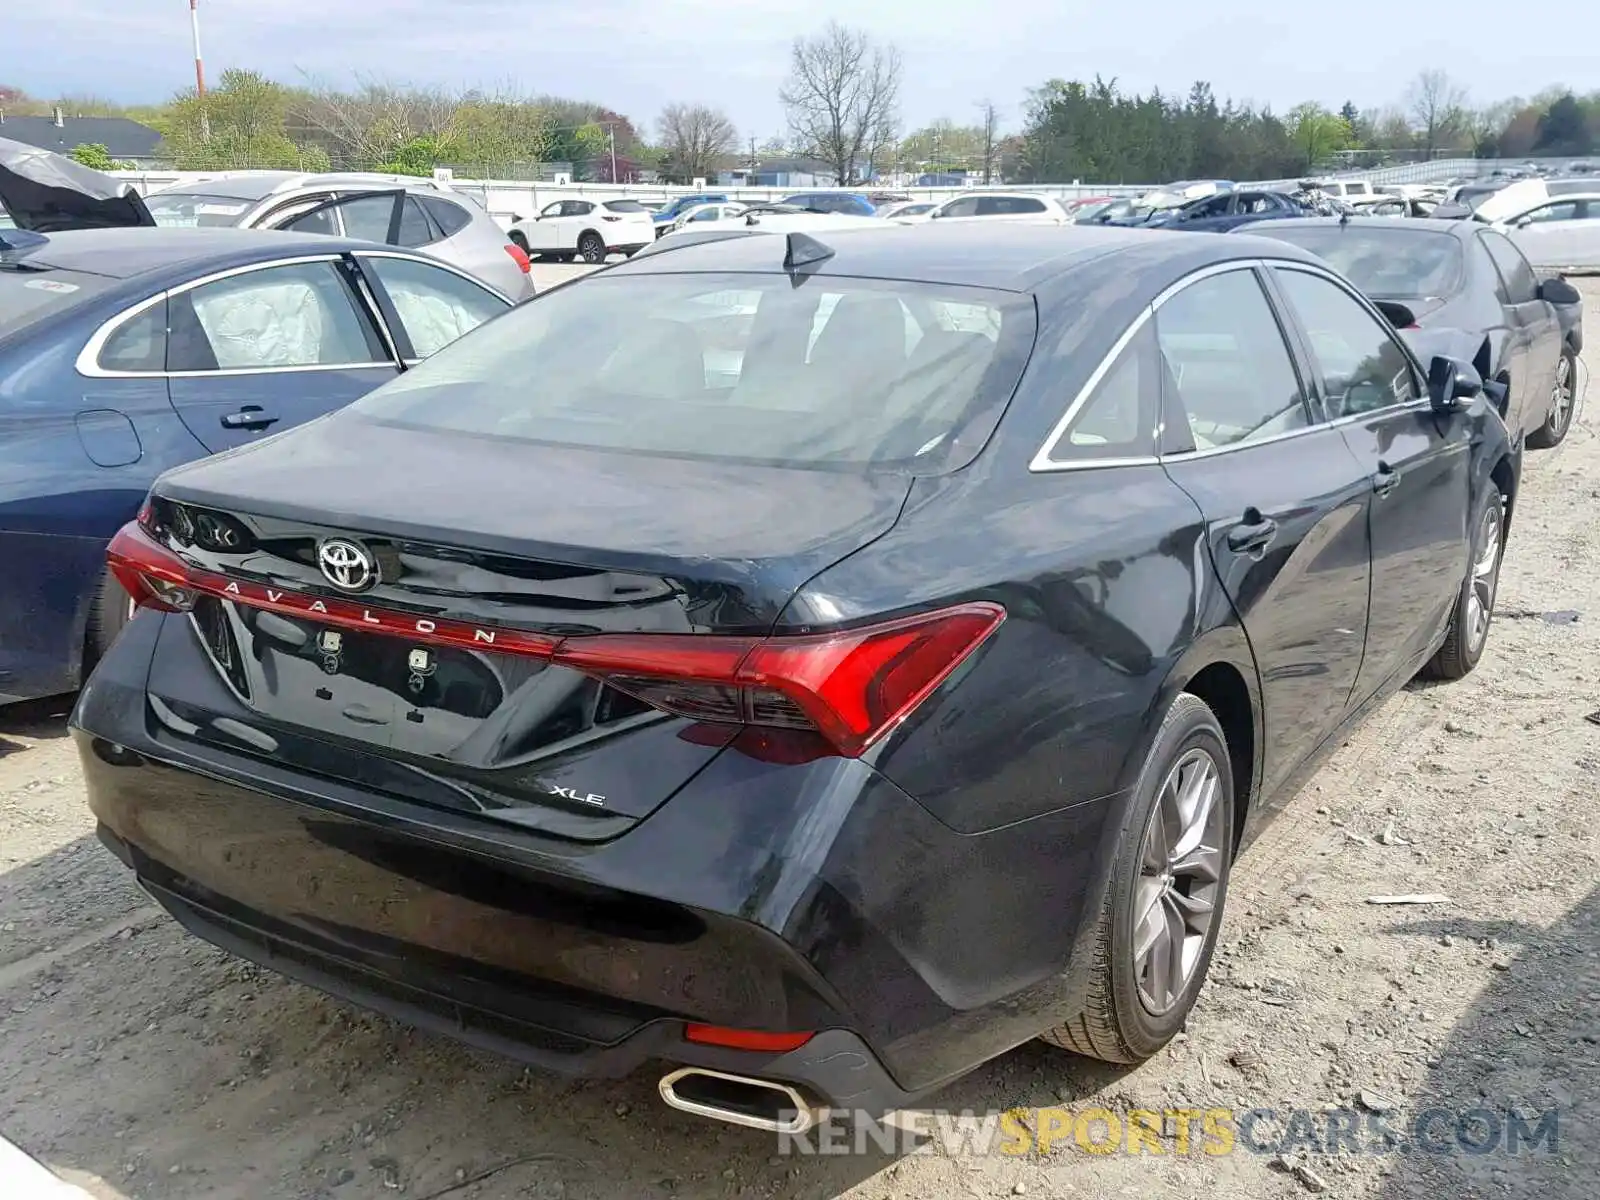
pixel 127 351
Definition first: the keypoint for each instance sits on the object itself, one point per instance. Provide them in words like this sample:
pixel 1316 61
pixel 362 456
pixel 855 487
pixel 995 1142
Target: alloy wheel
pixel 1179 884
pixel 1561 398
pixel 1485 577
pixel 593 250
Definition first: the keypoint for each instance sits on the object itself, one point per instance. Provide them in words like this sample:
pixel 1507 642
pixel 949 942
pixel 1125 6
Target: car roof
pixel 127 253
pixel 1004 256
pixel 1460 230
pixel 258 185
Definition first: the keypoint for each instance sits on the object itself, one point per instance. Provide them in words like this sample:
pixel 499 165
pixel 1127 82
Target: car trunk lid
pixel 390 626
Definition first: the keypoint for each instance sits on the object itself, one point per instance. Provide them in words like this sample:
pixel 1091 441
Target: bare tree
pixel 843 98
pixel 366 126
pixel 991 137
pixel 695 137
pixel 1438 109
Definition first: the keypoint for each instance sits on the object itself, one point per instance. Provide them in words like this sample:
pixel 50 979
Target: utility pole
pixel 612 130
pixel 753 163
pixel 199 69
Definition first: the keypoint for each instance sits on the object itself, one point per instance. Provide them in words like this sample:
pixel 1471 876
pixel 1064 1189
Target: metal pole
pixel 199 69
pixel 612 130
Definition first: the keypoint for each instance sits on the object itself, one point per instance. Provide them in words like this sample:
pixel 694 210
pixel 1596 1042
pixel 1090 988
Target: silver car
pixel 396 210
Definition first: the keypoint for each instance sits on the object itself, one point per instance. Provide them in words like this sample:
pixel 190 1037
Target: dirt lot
pixel 139 1062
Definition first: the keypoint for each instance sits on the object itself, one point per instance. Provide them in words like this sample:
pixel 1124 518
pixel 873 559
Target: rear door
pixel 1416 462
pixel 269 347
pixel 1285 502
pixel 1537 331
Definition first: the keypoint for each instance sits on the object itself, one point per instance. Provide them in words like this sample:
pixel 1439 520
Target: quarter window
pixel 1362 367
pixel 1522 285
pixel 451 218
pixel 139 344
pixel 1226 364
pixel 434 305
pixel 298 315
pixel 368 217
pixel 1119 418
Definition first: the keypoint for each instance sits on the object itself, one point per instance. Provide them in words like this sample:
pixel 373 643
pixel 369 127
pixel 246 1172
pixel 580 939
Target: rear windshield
pixel 836 372
pixel 26 294
pixel 193 208
pixel 625 206
pixel 1408 263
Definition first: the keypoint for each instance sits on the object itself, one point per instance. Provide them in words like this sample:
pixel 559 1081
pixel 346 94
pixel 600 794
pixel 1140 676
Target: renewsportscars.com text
pixel 1182 1131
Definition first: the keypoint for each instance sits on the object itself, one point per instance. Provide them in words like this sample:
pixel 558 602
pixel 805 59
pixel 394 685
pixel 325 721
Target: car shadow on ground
pixel 1530 1043
pixel 35 720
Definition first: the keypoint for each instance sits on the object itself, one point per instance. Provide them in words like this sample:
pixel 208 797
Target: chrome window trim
pixel 1042 462
pixel 429 261
pixel 88 361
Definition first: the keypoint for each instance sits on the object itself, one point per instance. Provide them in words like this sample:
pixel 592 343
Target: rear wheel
pixel 591 248
pixel 1163 909
pixel 1474 607
pixel 1559 419
pixel 112 609
pixel 519 240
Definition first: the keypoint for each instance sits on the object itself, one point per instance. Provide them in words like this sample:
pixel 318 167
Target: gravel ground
pixel 137 1061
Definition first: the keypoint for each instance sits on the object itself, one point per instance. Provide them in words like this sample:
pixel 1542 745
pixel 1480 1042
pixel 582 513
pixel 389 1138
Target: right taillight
pixel 152 575
pixel 520 256
pixel 851 686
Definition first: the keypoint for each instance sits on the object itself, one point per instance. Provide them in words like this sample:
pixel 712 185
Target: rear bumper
pixel 762 896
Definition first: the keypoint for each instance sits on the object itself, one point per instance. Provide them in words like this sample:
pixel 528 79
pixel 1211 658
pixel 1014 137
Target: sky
pixel 636 56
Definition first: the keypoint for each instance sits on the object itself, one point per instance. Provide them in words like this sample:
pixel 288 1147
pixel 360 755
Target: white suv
pixel 586 229
pixel 1002 206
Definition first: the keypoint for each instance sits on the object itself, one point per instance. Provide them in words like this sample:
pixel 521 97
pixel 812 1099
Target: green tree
pixel 239 124
pixel 1317 134
pixel 93 154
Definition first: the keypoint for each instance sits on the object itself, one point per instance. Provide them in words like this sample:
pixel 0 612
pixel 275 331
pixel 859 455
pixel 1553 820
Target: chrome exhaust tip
pixel 738 1100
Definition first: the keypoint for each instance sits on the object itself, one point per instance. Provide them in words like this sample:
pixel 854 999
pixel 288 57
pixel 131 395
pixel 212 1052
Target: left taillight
pixel 520 257
pixel 150 573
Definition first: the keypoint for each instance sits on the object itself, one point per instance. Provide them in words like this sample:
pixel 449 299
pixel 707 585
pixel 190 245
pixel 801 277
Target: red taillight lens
pixel 849 687
pixel 744 1039
pixel 524 263
pixel 153 576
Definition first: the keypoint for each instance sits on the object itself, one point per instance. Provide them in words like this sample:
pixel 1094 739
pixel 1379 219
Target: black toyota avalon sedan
pixel 811 664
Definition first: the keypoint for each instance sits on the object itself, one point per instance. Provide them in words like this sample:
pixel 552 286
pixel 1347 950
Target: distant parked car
pixel 1559 232
pixel 1004 206
pixel 397 210
pixel 1229 210
pixel 702 213
pixel 850 204
pixel 587 229
pixel 127 351
pixel 908 209
pixel 1463 275
pixel 666 214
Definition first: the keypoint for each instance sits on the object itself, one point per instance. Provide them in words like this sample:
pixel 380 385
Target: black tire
pixel 1118 1025
pixel 592 248
pixel 1563 401
pixel 1465 640
pixel 519 240
pixel 111 610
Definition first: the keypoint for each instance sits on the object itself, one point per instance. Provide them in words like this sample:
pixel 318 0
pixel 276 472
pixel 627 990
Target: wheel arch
pixel 1218 667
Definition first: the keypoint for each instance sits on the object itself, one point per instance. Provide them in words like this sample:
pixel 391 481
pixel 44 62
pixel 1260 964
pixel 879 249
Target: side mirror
pixel 1557 290
pixel 1398 314
pixel 1451 382
pixel 1523 222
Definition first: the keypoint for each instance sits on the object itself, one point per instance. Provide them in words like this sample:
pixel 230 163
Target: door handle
pixel 1385 481
pixel 249 417
pixel 1252 535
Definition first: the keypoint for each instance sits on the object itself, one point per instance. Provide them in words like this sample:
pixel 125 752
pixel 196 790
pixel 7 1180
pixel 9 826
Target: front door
pixel 1415 460
pixel 265 349
pixel 1285 504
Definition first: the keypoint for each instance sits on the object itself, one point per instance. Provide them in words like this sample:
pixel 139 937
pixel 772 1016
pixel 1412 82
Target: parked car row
pixel 727 697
